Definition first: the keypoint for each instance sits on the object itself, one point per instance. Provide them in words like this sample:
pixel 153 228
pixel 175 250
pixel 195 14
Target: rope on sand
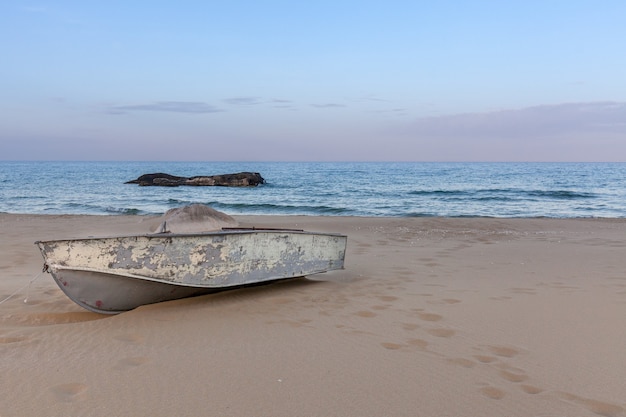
pixel 21 288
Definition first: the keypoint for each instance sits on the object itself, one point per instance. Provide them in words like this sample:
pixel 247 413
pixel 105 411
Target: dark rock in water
pixel 158 179
pixel 241 179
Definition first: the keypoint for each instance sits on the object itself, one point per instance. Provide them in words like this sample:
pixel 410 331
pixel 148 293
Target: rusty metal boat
pixel 110 275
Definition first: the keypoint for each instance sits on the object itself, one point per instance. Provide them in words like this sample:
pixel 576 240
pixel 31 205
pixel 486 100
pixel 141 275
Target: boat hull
pixel 115 274
pixel 113 294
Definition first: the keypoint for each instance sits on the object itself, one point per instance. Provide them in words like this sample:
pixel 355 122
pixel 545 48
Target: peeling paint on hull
pixel 114 274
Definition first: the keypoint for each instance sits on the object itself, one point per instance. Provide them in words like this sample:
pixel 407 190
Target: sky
pixel 325 80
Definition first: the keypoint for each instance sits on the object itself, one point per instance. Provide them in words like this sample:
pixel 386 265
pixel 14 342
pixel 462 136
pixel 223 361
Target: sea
pixel 389 189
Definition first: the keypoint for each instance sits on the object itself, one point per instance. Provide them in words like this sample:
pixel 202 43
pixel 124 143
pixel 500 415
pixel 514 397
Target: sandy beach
pixel 430 317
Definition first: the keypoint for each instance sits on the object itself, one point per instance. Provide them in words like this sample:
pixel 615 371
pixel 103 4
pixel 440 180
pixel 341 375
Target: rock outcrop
pixel 240 179
pixel 193 219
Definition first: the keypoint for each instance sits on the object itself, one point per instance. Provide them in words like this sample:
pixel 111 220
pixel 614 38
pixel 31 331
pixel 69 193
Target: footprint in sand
pixel 16 339
pixel 528 291
pixel 597 407
pixel 513 375
pixel 429 316
pixel 132 362
pixel 69 392
pixel 365 313
pixel 465 363
pixel 419 343
pixel 293 323
pixel 531 389
pixel 391 346
pixel 485 358
pixel 441 332
pixel 504 351
pixel 410 343
pixel 493 393
pixel 559 286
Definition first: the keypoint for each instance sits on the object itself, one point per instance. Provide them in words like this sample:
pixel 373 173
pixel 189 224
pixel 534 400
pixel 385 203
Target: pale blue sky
pixel 324 80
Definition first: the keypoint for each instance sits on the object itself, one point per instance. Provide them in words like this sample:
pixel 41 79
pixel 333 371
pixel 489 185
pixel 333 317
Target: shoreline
pixel 431 316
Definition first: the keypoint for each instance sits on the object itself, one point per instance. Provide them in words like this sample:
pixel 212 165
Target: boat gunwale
pixel 223 232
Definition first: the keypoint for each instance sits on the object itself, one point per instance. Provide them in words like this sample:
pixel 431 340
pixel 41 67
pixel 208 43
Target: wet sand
pixel 431 317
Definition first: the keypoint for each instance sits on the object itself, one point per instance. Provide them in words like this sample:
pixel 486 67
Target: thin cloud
pixel 535 121
pixel 193 107
pixel 243 101
pixel 278 103
pixel 392 111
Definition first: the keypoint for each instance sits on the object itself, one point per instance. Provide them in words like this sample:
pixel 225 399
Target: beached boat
pixel 114 274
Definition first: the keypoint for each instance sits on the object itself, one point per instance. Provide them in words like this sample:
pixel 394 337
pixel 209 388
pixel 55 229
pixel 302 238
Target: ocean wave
pixel 278 208
pixel 503 194
pixel 561 194
pixel 436 192
pixel 125 211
